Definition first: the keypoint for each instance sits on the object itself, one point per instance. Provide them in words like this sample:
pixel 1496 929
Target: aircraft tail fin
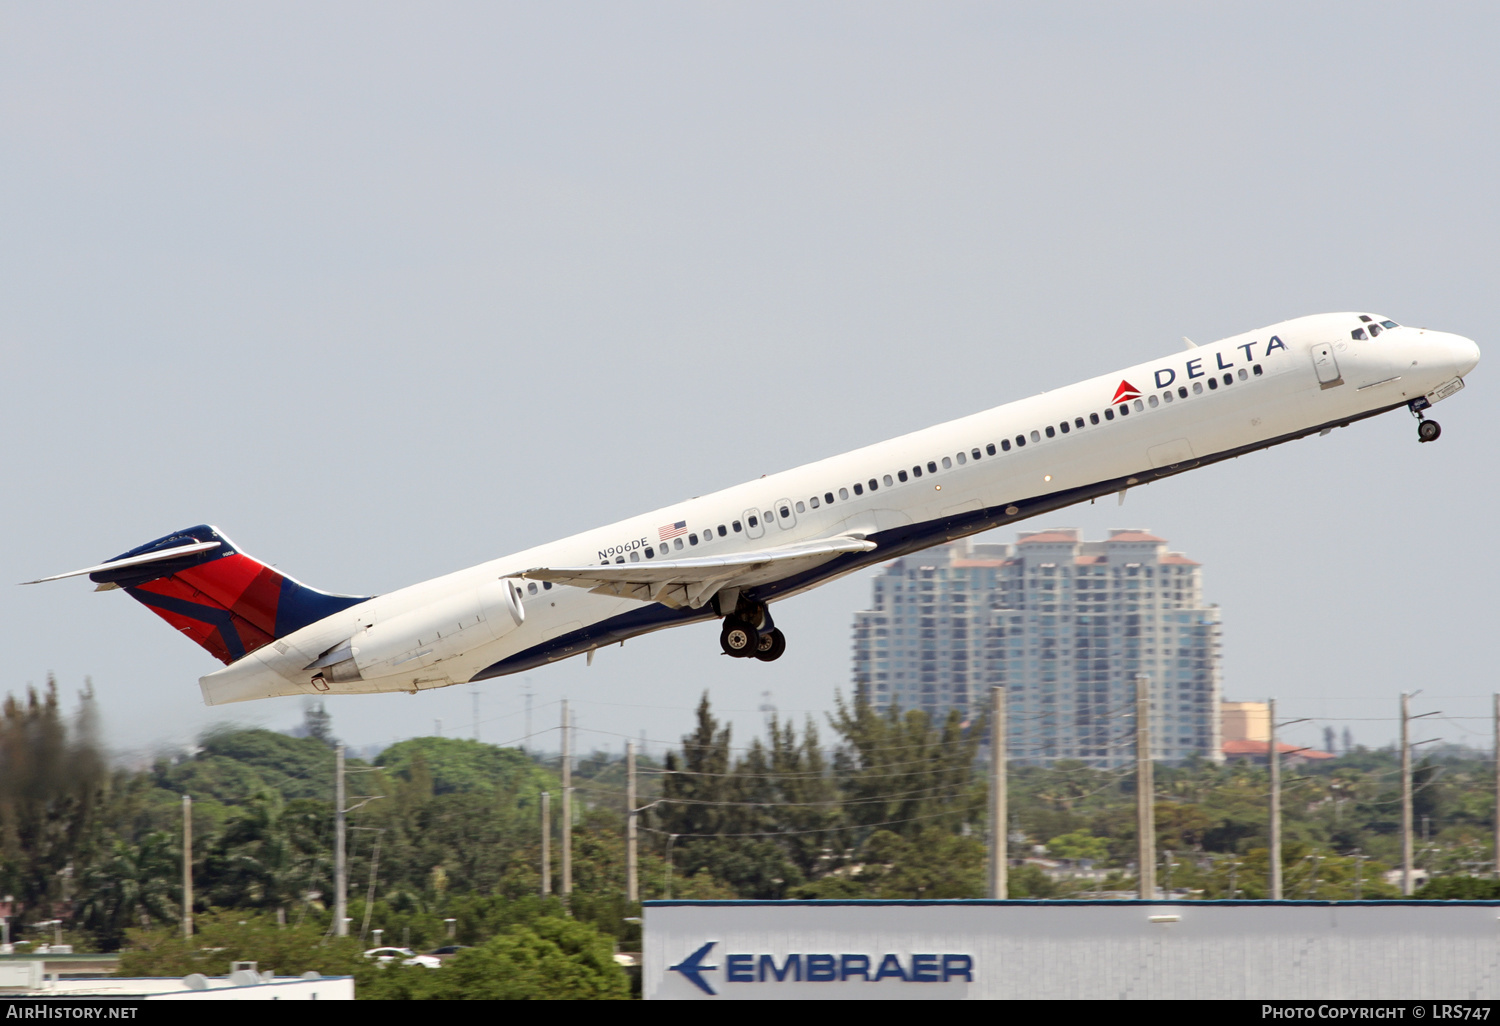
pixel 201 584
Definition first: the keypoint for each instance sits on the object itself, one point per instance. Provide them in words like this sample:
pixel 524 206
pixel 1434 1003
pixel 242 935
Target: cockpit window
pixel 1367 320
pixel 1389 324
pixel 1357 334
pixel 1374 330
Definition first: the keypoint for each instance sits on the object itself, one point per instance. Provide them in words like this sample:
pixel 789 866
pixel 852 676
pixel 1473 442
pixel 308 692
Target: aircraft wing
pixel 692 582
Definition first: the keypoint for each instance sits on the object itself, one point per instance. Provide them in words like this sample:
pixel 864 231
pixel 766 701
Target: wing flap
pixel 692 582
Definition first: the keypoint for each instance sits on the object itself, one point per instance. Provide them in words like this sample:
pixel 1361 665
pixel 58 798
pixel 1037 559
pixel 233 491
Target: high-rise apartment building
pixel 1066 625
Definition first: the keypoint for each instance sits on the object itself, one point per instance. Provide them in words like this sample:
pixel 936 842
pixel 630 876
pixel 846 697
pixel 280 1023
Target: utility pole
pixel 187 865
pixel 1145 791
pixel 567 803
pixel 340 870
pixel 1497 786
pixel 999 817
pixel 1406 855
pixel 632 889
pixel 546 844
pixel 1273 758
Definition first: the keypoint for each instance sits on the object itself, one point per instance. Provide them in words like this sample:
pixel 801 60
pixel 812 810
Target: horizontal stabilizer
pixel 692 582
pixel 149 557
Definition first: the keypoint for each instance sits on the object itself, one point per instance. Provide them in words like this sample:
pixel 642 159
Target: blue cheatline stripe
pixel 888 545
pixel 211 615
pixel 1048 902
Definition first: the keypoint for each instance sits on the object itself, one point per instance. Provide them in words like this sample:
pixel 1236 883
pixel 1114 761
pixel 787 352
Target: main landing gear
pixel 1427 430
pixel 749 634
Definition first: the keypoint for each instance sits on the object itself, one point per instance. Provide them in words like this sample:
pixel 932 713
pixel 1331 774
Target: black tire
pixel 738 638
pixel 772 645
pixel 1428 431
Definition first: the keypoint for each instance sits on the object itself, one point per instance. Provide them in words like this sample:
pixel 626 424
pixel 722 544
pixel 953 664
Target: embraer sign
pixel 825 968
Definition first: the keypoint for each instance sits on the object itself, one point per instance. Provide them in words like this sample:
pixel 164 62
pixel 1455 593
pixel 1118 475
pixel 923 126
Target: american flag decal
pixel 672 530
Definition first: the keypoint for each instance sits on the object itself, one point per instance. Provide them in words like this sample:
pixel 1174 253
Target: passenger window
pixel 1139 406
pixel 649 552
pixel 736 525
pixel 1078 423
pixel 785 512
pixel 1036 436
pixel 531 588
pixel 844 493
pixel 620 559
pixel 1063 427
pixel 1243 373
pixel 874 485
pixel 1357 334
pixel 1051 431
pixel 1167 396
pixel 1182 391
pixel 723 532
pixel 692 539
pixel 931 467
pixel 1020 441
pixel 947 463
pixel 916 471
pixel 828 498
pixel 962 459
pixel 990 448
pixel 887 480
pixel 814 502
pixel 1005 444
pixel 1197 388
pixel 1229 379
pixel 635 557
pixel 546 585
pixel 1257 370
pixel 858 490
pixel 974 453
pixel 1213 383
pixel 901 476
pixel 1093 418
pixel 753 522
pixel 769 515
pixel 1152 402
pixel 677 544
pixel 1374 330
pixel 1109 414
pixel 801 508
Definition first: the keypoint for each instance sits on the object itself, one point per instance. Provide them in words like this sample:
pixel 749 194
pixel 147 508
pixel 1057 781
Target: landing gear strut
pixel 1427 430
pixel 749 633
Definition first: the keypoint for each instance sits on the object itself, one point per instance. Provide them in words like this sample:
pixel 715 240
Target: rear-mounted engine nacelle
pixel 420 637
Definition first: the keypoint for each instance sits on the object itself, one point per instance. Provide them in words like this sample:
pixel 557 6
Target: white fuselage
pixel 1269 386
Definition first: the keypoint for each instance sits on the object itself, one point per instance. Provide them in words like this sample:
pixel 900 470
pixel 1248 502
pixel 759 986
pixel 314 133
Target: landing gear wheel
pixel 738 638
pixel 1428 430
pixel 772 644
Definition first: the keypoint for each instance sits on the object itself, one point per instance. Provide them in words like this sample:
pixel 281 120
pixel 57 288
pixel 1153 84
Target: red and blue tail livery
pixel 228 602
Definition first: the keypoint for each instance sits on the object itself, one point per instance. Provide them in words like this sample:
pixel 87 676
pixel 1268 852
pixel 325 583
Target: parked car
pixel 406 955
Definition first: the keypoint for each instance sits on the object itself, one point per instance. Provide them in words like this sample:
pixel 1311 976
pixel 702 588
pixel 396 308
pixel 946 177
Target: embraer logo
pixel 1124 392
pixel 827 968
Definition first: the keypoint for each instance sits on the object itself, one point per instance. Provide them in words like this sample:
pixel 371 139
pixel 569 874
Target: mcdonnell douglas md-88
pixel 730 555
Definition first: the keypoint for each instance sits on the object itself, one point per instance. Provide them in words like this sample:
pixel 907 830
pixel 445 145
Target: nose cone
pixel 1466 354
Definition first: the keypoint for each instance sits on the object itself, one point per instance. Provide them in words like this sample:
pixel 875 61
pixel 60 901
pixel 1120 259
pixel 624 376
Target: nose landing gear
pixel 1427 430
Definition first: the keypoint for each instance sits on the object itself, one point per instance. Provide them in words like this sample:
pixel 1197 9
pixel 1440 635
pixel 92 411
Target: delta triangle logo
pixel 1125 392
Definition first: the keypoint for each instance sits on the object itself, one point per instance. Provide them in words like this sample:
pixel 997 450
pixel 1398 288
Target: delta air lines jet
pixel 730 555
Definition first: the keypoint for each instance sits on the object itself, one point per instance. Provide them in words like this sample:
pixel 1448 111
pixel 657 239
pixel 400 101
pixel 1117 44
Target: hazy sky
pixel 385 290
